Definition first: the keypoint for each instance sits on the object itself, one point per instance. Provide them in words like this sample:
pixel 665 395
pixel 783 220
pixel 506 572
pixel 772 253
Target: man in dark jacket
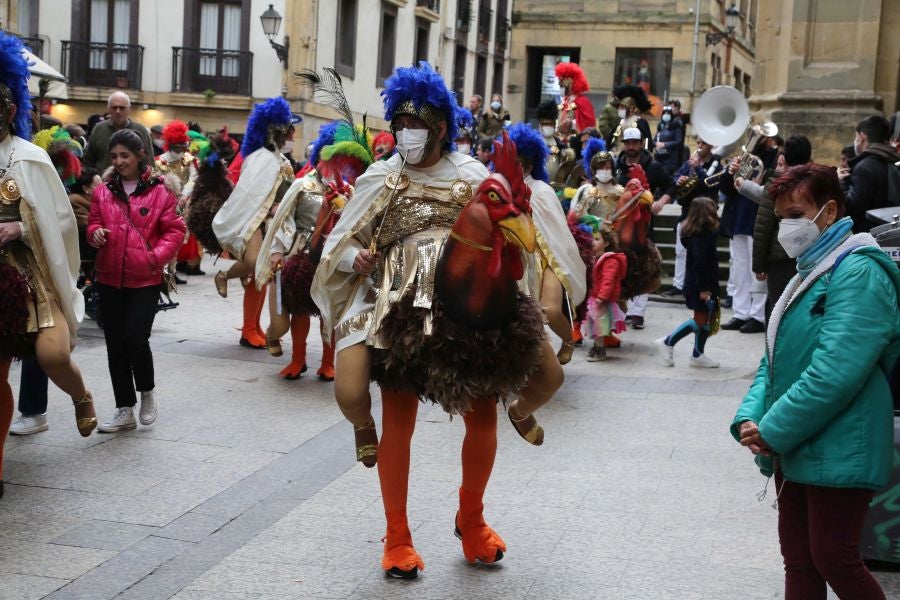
pixel 96 154
pixel 661 187
pixel 866 181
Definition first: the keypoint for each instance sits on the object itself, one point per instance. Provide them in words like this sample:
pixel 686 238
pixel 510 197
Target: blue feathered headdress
pixel 592 147
pixel 273 111
pixel 423 85
pixel 531 145
pixel 326 138
pixel 14 74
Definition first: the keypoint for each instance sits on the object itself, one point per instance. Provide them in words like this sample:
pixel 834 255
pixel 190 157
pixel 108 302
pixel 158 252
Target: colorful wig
pixel 14 75
pixel 423 85
pixel 568 70
pixel 592 147
pixel 635 93
pixel 175 133
pixel 64 152
pixel 346 157
pixel 531 146
pixel 273 112
pixel 385 137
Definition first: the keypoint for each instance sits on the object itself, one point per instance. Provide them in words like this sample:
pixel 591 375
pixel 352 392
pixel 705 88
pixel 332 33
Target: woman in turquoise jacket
pixel 819 413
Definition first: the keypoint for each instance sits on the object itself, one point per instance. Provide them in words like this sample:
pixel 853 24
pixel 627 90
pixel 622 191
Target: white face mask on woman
pixel 548 130
pixel 622 113
pixel 603 175
pixel 411 144
pixel 496 105
pixel 796 236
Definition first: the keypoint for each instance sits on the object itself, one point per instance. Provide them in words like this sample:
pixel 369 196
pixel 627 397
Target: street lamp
pixel 271 23
pixel 731 17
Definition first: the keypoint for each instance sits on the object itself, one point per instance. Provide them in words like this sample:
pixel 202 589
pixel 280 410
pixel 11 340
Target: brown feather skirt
pixel 644 272
pixel 15 296
pixel 200 217
pixel 456 364
pixel 296 282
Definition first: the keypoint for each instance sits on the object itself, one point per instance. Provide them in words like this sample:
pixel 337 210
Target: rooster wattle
pixel 481 261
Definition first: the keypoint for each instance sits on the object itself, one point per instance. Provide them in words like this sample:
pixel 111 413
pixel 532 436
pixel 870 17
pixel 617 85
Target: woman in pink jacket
pixel 136 230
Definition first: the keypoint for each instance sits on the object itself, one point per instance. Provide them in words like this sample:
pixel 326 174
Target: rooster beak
pixel 646 197
pixel 519 230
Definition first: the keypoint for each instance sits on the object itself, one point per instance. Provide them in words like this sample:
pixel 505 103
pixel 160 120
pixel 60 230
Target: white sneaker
pixel 122 419
pixel 666 352
pixel 703 362
pixel 148 411
pixel 28 424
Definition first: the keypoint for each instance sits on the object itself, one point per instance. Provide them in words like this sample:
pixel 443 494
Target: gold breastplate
pixel 410 215
pixel 9 201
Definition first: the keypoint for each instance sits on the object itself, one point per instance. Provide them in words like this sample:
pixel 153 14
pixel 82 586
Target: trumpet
pixel 750 166
pixel 687 186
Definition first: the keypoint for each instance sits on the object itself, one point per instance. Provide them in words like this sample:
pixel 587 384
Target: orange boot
pixel 326 371
pixel 251 337
pixel 261 302
pixel 400 559
pixel 479 541
pixel 299 331
pixel 576 333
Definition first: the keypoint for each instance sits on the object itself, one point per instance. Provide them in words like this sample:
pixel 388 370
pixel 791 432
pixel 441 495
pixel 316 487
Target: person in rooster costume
pixel 576 113
pixel 556 276
pixel 419 280
pixel 240 224
pixel 307 213
pixel 40 307
pixel 179 167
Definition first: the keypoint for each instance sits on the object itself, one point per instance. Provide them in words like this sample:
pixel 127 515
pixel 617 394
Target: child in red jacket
pixel 604 316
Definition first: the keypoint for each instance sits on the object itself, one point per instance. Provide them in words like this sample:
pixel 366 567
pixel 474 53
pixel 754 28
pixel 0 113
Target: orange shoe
pixel 326 373
pixel 479 541
pixel 576 333
pixel 252 339
pixel 400 559
pixel 293 371
pixel 612 341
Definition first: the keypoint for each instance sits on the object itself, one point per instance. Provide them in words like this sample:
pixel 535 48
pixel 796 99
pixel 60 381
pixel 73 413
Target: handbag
pixel 168 285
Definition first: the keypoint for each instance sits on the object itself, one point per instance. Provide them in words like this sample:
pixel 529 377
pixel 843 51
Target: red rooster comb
pixel 506 163
pixel 175 132
pixel 637 172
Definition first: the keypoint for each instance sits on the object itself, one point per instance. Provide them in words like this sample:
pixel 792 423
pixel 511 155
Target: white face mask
pixel 666 117
pixel 796 236
pixel 464 148
pixel 411 144
pixel 857 146
pixel 622 113
pixel 548 130
pixel 603 175
pixel 159 144
pixel 496 105
pixel 288 147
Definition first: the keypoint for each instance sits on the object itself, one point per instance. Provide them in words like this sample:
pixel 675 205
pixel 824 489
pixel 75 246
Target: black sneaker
pixel 637 322
pixel 181 267
pixel 753 326
pixel 194 270
pixel 179 280
pixel 734 324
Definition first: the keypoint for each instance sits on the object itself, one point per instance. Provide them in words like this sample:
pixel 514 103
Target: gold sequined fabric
pixel 19 256
pixel 409 215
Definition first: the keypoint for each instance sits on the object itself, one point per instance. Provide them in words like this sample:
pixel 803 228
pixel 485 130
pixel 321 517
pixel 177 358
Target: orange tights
pixel 6 407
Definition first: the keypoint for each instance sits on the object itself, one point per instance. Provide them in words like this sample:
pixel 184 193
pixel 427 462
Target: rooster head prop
pixel 482 260
pixel 633 209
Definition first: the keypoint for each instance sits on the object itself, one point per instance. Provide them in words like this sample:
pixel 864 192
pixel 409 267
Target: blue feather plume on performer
pixel 326 138
pixel 14 74
pixel 273 111
pixel 592 147
pixel 423 85
pixel 530 145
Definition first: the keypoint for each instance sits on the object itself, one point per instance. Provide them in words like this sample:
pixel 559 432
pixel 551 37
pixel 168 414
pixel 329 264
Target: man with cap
pixel 661 187
pixel 156 138
pixel 405 207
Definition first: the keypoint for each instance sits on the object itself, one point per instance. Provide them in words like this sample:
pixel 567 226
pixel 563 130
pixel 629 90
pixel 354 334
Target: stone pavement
pixel 246 486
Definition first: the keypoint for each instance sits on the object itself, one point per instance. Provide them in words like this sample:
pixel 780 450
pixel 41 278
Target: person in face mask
pixel 818 415
pixel 668 141
pixel 547 114
pixel 576 113
pixel 495 120
pixel 866 180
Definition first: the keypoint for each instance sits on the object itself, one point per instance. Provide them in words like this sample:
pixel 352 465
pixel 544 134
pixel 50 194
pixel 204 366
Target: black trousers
pixel 128 315
pixel 779 275
pixel 32 389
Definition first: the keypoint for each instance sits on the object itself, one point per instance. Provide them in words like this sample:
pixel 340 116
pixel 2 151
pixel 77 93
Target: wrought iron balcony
pixel 35 44
pixel 221 71
pixel 103 64
pixel 501 36
pixel 463 15
pixel 484 22
pixel 432 5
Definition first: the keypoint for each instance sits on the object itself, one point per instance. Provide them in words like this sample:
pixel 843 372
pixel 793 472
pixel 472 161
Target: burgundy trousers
pixel 819 529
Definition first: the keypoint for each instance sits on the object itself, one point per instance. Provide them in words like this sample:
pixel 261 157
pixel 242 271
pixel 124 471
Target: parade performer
pixel 240 224
pixel 596 199
pixel 65 153
pixel 604 316
pixel 211 188
pixel 179 167
pixel 548 114
pixel 40 307
pixel 631 223
pixel 305 217
pixel 576 113
pixel 442 319
pixel 633 103
pixel 383 144
pixel 557 269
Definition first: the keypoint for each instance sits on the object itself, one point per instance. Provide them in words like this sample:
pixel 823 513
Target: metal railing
pixel 463 15
pixel 103 64
pixel 501 36
pixel 34 43
pixel 484 21
pixel 432 5
pixel 212 69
